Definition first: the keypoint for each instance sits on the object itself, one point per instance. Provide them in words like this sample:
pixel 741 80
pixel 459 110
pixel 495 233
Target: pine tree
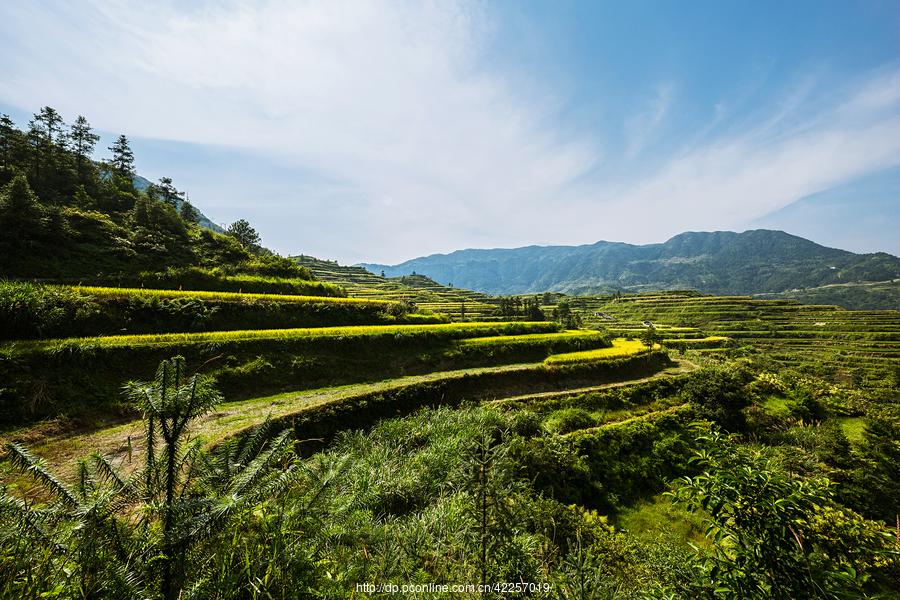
pixel 188 212
pixel 47 125
pixel 169 404
pixel 46 140
pixel 167 192
pixel 21 215
pixel 83 140
pixel 245 234
pixel 9 135
pixel 122 162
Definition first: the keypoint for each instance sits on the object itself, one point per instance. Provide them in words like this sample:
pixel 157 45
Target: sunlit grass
pixel 853 428
pixel 113 292
pixel 444 330
pixel 579 334
pixel 620 348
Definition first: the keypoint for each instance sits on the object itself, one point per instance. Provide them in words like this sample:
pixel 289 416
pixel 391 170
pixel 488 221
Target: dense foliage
pixel 468 495
pixel 67 217
pixel 32 311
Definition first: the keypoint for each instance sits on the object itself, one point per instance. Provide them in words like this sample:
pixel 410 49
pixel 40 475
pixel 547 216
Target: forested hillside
pixel 68 218
pixel 722 262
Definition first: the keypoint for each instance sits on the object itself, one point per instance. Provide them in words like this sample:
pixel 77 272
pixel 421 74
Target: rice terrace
pixel 200 410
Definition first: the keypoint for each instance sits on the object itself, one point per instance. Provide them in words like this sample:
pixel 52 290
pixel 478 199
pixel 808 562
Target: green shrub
pixel 720 394
pixel 269 265
pixel 218 280
pixel 569 419
pixel 635 459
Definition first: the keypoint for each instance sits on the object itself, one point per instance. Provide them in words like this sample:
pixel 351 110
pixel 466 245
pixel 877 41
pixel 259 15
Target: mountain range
pixel 759 261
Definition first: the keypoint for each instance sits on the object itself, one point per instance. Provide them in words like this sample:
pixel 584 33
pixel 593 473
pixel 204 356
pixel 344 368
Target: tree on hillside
pixel 83 140
pixel 532 308
pixel 167 192
pixel 21 215
pixel 9 138
pixel 188 212
pixel 122 162
pixel 776 535
pixel 245 234
pixel 47 126
pixel 48 148
pixel 651 336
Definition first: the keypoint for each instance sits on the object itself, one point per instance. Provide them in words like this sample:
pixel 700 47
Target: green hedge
pixel 322 422
pixel 30 311
pixel 81 376
pixel 216 280
pixel 608 399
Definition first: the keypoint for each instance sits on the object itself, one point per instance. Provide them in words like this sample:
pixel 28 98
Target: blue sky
pixel 379 131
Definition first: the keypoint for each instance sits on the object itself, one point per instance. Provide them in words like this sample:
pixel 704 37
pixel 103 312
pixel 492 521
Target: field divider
pixel 321 413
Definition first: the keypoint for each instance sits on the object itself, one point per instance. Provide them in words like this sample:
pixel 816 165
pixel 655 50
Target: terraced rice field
pixel 115 292
pixel 861 344
pixel 425 293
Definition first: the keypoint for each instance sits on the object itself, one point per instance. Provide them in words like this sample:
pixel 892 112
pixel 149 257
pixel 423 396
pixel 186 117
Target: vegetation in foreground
pixel 480 494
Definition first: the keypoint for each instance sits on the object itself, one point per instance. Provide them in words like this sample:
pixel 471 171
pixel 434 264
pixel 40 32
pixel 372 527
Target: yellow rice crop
pixel 620 348
pixel 535 337
pixel 224 296
pixel 448 330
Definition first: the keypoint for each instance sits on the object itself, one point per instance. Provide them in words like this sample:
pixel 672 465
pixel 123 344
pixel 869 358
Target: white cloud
pixel 642 127
pixel 396 106
pixel 793 152
pixel 386 96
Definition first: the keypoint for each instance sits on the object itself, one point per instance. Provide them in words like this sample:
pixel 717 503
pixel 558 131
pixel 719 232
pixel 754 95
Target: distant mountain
pixel 142 184
pixel 721 262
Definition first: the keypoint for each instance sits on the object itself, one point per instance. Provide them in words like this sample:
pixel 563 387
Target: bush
pixel 569 419
pixel 720 394
pixel 777 535
pixel 636 458
pixel 270 265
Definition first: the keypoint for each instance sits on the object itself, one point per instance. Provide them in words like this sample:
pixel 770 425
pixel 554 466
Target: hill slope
pixel 721 262
pixel 142 184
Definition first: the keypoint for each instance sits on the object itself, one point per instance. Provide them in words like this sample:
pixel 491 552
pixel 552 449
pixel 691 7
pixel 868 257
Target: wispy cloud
pixel 387 97
pixel 802 145
pixel 643 126
pixel 423 144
